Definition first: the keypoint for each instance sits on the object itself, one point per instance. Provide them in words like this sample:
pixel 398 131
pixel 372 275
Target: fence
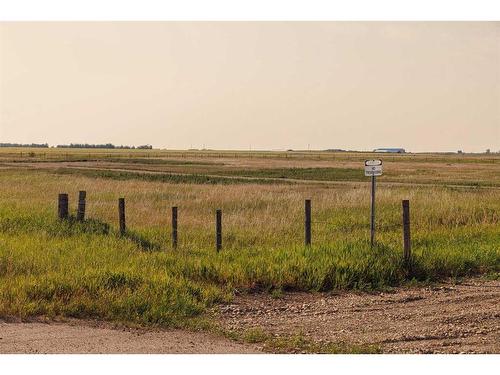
pixel 63 214
pixel 103 154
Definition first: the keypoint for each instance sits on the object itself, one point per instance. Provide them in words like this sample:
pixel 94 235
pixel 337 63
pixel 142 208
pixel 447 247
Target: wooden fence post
pixel 174 227
pixel 80 214
pixel 62 207
pixel 308 222
pixel 121 214
pixel 406 231
pixel 218 229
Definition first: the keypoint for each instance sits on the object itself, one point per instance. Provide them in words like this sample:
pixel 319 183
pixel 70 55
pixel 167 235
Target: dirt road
pixel 83 337
pixel 443 319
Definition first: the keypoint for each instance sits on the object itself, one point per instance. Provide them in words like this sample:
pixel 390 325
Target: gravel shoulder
pixel 448 318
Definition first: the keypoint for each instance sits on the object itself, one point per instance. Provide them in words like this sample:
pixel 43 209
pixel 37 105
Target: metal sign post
pixel 373 168
pixel 372 214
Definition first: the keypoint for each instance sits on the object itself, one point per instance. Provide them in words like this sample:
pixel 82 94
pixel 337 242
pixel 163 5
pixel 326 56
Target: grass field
pixel 88 270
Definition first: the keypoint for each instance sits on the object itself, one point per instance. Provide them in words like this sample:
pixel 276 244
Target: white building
pixel 391 150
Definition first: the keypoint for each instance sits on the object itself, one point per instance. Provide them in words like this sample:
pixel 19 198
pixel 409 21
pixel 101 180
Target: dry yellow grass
pixel 253 214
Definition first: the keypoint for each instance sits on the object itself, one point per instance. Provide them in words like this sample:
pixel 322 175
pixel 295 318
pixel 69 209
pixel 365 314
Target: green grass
pixel 70 269
pixel 298 343
pixel 320 174
pixel 163 177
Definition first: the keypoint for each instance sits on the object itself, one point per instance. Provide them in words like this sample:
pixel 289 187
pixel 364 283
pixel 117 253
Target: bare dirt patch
pixel 447 318
pixel 82 337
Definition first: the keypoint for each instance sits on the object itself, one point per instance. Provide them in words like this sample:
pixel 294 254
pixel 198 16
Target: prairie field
pixel 64 268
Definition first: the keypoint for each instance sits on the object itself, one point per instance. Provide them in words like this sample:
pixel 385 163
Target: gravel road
pixel 447 318
pixel 85 337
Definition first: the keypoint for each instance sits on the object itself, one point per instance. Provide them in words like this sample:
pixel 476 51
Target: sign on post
pixel 373 168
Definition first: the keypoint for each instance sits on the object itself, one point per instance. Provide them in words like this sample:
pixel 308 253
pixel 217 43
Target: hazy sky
pixel 267 85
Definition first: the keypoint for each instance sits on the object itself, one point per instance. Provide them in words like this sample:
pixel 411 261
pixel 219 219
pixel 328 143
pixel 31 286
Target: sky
pixel 423 86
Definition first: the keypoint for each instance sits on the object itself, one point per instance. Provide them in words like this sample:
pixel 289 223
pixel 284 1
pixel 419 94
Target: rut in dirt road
pixel 443 319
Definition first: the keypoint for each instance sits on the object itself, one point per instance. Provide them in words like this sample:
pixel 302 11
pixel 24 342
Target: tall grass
pixel 54 268
pixel 65 269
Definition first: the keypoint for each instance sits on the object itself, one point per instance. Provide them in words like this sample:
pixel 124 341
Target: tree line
pixel 77 145
pixel 106 146
pixel 33 145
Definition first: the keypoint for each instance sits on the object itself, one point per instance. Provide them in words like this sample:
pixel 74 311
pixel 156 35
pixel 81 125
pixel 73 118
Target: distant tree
pixel 102 146
pixel 32 145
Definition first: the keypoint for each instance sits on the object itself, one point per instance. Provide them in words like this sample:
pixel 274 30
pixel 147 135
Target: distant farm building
pixel 391 150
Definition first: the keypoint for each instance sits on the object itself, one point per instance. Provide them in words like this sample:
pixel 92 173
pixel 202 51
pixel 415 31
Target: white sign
pixel 373 167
